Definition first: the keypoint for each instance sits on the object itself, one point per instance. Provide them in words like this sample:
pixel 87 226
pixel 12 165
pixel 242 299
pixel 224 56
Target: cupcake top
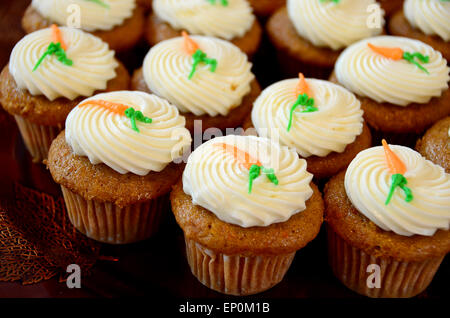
pixel 314 117
pixel 226 19
pixel 399 190
pixel 128 131
pixel 333 24
pixel 200 75
pixel 393 69
pixel 62 62
pixel 247 180
pixel 429 16
pixel 94 14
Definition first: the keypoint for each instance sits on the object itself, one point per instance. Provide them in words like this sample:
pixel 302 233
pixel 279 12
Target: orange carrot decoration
pixel 302 87
pixel 239 155
pixel 397 169
pixel 190 46
pixel 57 36
pixel 253 165
pixel 120 109
pixel 111 106
pixel 396 54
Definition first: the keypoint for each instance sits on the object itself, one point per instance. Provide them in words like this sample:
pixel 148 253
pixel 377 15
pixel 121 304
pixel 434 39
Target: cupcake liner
pixel 236 274
pixel 109 223
pixel 399 279
pixel 37 138
pixel 291 66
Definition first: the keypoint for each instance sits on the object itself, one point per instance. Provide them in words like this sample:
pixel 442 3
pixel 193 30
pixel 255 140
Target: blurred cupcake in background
pixel 246 205
pixel 390 210
pixel 402 84
pixel 208 79
pixel 231 20
pixel 435 144
pixel 322 121
pixel 424 20
pixel 310 34
pixel 114 163
pixel 264 8
pixel 49 72
pixel 120 23
pixel 390 6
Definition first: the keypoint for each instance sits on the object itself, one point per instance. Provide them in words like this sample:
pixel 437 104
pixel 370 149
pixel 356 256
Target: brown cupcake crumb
pixel 435 144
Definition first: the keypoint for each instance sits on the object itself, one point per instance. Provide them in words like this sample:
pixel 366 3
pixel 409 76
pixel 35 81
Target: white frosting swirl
pixel 335 125
pixel 432 17
pixel 93 65
pixel 368 181
pixel 204 18
pixel 93 16
pixel 217 182
pixel 167 66
pixel 369 74
pixel 333 25
pixel 107 137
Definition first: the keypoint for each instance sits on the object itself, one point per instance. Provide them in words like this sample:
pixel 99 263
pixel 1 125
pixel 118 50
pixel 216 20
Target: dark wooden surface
pixel 157 265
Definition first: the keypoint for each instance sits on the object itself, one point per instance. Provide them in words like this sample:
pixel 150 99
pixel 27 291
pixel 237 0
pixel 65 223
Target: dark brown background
pixel 157 265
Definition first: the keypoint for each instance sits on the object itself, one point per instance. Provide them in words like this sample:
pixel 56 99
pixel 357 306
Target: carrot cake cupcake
pixel 120 23
pixel 49 72
pixel 208 79
pixel 435 144
pixel 424 20
pixel 246 205
pixel 263 8
pixel 310 34
pixel 390 6
pixel 231 20
pixel 402 83
pixel 322 121
pixel 114 163
pixel 390 210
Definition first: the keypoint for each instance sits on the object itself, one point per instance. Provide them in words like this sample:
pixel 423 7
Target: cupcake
pixel 402 84
pixel 231 20
pixel 115 164
pixel 50 71
pixel 390 210
pixel 310 34
pixel 120 23
pixel 322 121
pixel 424 20
pixel 208 79
pixel 435 144
pixel 263 8
pixel 245 205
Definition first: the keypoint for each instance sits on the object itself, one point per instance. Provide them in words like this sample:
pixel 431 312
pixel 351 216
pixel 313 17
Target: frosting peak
pixel 103 129
pixel 331 24
pixel 91 64
pixel 368 183
pixel 398 81
pixel 213 91
pixel 206 18
pixel 218 173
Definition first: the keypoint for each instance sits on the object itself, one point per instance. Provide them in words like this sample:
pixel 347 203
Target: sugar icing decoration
pixel 100 3
pixel 198 56
pixel 223 2
pixel 334 1
pixel 57 47
pixel 253 165
pixel 397 169
pixel 122 110
pixel 396 53
pixel 304 98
